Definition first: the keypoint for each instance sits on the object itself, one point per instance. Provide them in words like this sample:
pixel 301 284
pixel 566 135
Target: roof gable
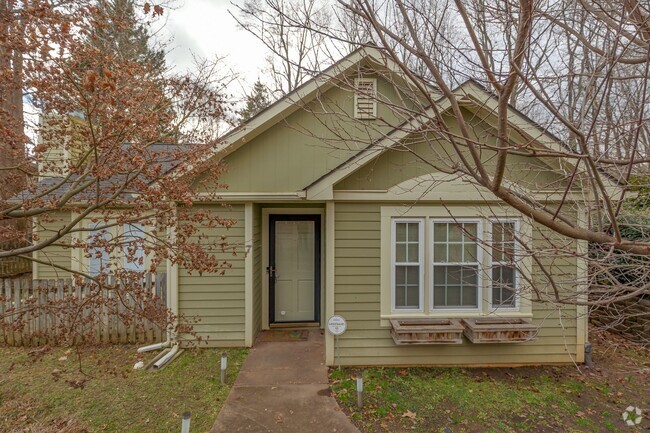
pixel 471 95
pixel 305 94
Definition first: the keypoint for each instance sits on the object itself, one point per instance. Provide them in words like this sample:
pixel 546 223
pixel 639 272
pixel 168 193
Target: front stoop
pixel 283 387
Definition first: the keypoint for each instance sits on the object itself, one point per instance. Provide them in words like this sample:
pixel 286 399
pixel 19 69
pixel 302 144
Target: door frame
pixel 317 263
pixel 266 214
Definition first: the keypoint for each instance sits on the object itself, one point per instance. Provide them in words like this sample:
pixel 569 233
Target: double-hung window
pixel 503 266
pixel 99 260
pixel 407 269
pixel 107 247
pixel 453 266
pixel 456 261
pixel 134 258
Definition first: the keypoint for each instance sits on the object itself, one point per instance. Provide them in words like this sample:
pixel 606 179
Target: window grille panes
pixel 504 273
pixel 99 258
pixel 455 265
pixel 133 248
pixel 406 272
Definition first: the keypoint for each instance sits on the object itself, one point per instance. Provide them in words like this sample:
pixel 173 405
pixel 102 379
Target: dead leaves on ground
pixel 408 414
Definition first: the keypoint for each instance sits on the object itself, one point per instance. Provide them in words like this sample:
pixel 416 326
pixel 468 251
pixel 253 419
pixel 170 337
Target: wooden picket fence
pixel 38 312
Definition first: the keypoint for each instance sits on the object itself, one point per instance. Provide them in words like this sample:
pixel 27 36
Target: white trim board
pixel 330 275
pixel 234 196
pixel 248 275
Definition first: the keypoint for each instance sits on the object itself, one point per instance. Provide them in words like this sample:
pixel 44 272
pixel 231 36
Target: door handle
pixel 272 272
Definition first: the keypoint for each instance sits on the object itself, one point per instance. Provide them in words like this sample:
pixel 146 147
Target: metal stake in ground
pixel 360 390
pixel 588 361
pixel 224 364
pixel 185 427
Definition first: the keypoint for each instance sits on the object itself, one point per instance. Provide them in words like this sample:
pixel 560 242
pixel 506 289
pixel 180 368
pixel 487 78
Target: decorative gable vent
pixel 365 98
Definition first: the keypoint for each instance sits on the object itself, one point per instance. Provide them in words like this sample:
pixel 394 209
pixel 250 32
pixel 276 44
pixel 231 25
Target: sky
pixel 206 29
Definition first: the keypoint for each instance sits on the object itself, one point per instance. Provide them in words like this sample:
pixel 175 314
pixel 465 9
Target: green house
pixel 336 217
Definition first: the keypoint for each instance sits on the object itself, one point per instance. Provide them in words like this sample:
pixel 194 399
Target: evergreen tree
pixel 256 101
pixel 123 38
pixel 125 35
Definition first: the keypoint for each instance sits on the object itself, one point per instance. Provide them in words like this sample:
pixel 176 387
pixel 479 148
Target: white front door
pixel 294 268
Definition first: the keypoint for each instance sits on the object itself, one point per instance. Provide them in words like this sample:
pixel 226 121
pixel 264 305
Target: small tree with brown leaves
pixel 112 130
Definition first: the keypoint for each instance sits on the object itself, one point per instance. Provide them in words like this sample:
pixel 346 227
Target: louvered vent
pixel 365 98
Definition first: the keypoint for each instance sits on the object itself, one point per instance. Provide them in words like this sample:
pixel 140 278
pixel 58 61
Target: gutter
pixel 229 196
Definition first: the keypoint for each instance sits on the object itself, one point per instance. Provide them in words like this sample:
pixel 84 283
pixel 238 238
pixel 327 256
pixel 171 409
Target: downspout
pixel 165 344
pixel 168 357
pixel 172 304
pixel 155 346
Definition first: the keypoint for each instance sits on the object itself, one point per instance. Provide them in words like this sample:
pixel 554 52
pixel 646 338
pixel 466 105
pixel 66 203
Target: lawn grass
pixel 463 400
pixel 52 395
pixel 530 399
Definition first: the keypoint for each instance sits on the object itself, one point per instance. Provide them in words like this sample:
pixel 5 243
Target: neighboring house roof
pixel 164 155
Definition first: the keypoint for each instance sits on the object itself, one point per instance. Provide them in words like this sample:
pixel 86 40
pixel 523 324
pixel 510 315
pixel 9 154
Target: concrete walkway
pixel 283 387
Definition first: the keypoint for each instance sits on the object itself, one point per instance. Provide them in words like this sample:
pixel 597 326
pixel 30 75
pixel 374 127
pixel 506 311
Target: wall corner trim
pixel 330 232
pixel 248 274
pixel 582 287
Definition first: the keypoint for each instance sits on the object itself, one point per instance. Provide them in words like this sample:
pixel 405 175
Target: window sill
pixel 385 318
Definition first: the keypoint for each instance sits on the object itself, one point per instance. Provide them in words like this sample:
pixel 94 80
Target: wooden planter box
pixel 426 331
pixel 499 330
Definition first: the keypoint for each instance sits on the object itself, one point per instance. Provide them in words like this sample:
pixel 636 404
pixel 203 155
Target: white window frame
pixel 421 263
pixel 491 262
pixel 480 262
pixel 372 98
pixel 482 212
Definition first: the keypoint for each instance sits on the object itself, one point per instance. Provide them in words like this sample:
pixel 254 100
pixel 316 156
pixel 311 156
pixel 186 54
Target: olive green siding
pixel 357 298
pixel 306 145
pixel 218 300
pixel 58 254
pixel 420 155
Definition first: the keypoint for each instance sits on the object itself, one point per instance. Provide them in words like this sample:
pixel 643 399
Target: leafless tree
pixel 579 69
pixel 111 129
pixel 292 32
